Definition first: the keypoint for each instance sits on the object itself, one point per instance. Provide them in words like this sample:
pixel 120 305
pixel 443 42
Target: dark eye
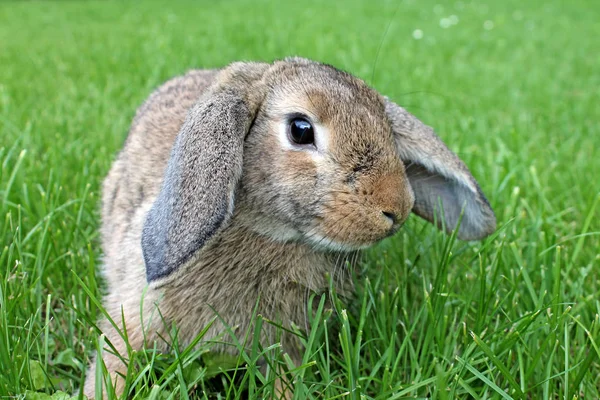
pixel 301 131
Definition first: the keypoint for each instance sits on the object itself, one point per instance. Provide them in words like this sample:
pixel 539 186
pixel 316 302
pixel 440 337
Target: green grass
pixel 515 316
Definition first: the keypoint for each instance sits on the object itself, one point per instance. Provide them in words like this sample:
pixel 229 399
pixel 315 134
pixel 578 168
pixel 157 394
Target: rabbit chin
pixel 323 243
pixel 320 242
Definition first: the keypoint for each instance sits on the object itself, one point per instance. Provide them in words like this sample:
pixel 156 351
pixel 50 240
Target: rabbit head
pixel 300 151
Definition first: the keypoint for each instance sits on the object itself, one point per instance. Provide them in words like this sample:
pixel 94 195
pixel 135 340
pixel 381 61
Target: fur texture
pixel 210 207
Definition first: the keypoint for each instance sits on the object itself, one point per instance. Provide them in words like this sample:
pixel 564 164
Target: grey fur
pixel 203 143
pixel 437 174
pixel 198 189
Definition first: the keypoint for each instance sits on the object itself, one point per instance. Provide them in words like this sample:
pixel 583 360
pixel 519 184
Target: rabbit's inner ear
pixel 197 195
pixel 441 200
pixel 439 177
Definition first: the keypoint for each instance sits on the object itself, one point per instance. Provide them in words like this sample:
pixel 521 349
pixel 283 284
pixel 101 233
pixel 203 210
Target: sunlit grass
pixel 511 86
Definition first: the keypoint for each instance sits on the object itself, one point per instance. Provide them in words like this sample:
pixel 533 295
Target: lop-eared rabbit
pixel 240 188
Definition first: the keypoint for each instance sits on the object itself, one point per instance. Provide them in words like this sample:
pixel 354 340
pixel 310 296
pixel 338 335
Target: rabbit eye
pixel 301 131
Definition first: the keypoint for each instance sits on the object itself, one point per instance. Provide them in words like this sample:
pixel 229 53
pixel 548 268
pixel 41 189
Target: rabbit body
pixel 193 230
pixel 235 271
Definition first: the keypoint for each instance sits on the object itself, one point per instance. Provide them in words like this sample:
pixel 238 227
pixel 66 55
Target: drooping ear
pixel 437 176
pixel 197 194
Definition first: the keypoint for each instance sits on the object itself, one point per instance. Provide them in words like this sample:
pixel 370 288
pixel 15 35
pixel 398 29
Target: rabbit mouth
pixel 349 221
pixel 321 242
pixel 358 240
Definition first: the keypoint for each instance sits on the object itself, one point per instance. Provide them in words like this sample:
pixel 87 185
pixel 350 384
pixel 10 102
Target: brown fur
pixel 296 213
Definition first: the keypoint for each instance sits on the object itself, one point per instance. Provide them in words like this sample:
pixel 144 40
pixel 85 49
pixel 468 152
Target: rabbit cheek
pixel 300 173
pixel 279 192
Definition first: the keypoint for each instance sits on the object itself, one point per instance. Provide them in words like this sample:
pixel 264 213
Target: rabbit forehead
pixel 350 115
pixel 322 80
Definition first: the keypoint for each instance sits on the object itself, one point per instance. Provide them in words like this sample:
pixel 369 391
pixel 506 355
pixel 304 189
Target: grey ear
pixel 438 175
pixel 205 165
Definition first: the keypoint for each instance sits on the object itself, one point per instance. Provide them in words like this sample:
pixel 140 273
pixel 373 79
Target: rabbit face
pixel 299 151
pixel 320 162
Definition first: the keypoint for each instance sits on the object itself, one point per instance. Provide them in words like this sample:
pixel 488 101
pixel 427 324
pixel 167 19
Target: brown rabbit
pixel 241 187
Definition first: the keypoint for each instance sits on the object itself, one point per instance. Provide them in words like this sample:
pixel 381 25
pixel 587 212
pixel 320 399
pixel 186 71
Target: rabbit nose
pixel 392 221
pixel 391 216
pixel 393 198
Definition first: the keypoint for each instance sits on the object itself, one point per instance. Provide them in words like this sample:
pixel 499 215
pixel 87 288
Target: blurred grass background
pixel 513 87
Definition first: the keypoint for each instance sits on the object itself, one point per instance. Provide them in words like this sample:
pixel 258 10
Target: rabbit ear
pixel 438 175
pixel 197 194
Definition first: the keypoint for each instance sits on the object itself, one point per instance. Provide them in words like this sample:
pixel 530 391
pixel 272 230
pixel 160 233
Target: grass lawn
pixel 513 87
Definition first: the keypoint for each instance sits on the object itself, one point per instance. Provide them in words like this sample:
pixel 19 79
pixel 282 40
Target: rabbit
pixel 244 186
